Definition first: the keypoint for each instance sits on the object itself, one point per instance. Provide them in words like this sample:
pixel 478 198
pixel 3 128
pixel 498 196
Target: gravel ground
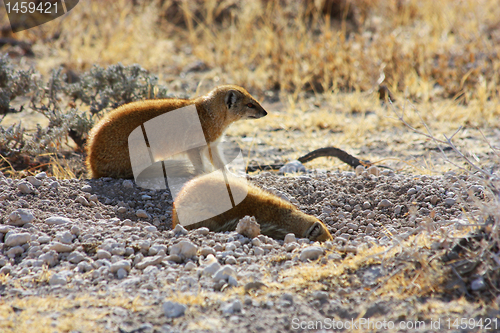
pixel 100 255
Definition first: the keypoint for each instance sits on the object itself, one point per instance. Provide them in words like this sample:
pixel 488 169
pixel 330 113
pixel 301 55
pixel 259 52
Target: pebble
pixel 211 269
pixel 41 175
pixel 57 279
pixel 142 213
pixel 203 231
pixel 127 183
pixel 478 284
pixel 373 170
pixel 121 273
pixel 122 264
pixel 102 254
pixel 14 251
pixel 311 253
pixel 57 220
pixel 179 229
pixel 292 167
pixel 258 251
pixel 82 200
pixel 205 251
pixel 384 203
pixel 76 257
pixel 174 309
pixel 150 228
pixel 224 273
pixel 87 188
pixel 248 227
pixel 15 239
pixel 359 170
pixel 64 237
pixel 184 249
pixel 34 181
pixel 290 238
pixel 449 201
pixel 25 187
pixel 20 217
pixel 156 260
pixel 231 307
pixel 60 247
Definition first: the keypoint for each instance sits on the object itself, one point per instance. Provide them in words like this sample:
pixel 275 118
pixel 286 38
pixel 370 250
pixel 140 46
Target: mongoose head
pixel 240 103
pixel 318 232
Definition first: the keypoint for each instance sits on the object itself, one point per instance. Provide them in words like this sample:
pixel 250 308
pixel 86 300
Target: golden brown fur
pixel 276 216
pixel 107 148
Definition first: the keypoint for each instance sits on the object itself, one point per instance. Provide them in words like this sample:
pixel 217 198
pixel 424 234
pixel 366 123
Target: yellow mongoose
pixel 276 216
pixel 107 148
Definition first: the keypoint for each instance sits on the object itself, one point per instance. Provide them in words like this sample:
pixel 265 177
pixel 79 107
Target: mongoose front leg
pixel 196 158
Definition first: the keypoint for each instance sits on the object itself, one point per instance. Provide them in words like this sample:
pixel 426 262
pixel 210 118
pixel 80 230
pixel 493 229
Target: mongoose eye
pixel 250 105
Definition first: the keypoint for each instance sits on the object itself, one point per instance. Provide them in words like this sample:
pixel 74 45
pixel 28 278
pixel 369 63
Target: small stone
pixel 14 251
pixel 16 239
pixel 102 254
pixel 121 273
pixel 174 309
pixel 122 264
pixel 146 197
pixel 64 237
pixel 292 167
pixel 57 220
pixel 224 273
pixel 478 284
pixel 142 213
pixel 118 250
pixel 373 170
pixel 82 200
pixel 411 191
pixel 434 199
pixel 205 251
pixel 289 247
pixel 49 258
pixel 75 230
pixel 258 251
pixel 41 175
pixel 211 269
pixel 366 205
pixel 290 238
pixel 20 217
pixel 121 210
pixel 311 253
pixel 230 260
pixel 76 257
pixel 320 295
pixel 248 227
pixel 87 188
pixel 449 201
pixel 179 229
pixel 54 185
pixel 203 231
pixel 184 249
pixel 127 183
pixel 25 187
pixel 84 267
pixel 190 266
pixel 384 203
pixel 60 247
pixel 156 260
pixel 44 239
pixel 359 170
pixel 34 181
pixel 5 270
pixel 150 228
pixel 232 307
pixel 57 279
pixel 256 242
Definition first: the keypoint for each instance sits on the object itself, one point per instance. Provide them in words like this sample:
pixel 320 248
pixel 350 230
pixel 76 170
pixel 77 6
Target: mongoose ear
pixel 231 98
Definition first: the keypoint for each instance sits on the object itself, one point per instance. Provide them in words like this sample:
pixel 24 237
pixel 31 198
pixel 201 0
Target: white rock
pixel 41 175
pixel 289 238
pixel 211 269
pixel 14 239
pixel 231 280
pixel 190 266
pixel 57 279
pixel 292 167
pixel 57 220
pixel 174 309
pixel 84 267
pixel 121 273
pixel 20 217
pixel 373 170
pixel 44 239
pixel 49 258
pixel 64 237
pixel 75 257
pixel 127 183
pixel 122 264
pixel 156 260
pixel 87 188
pixel 449 201
pixel 205 251
pixel 4 228
pixel 203 231
pixel 230 260
pixel 75 230
pixel 359 170
pixel 256 242
pixel 311 253
pixel 25 187
pixel 248 227
pixel 82 200
pixel 34 181
pixel 118 250
pixel 224 273
pixel 150 228
pixel 54 185
pixel 179 229
pixel 102 254
pixel 156 248
pixel 384 203
pixel 142 213
pixel 231 307
pixel 184 249
pixel 258 251
pixel 14 251
pixel 60 247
